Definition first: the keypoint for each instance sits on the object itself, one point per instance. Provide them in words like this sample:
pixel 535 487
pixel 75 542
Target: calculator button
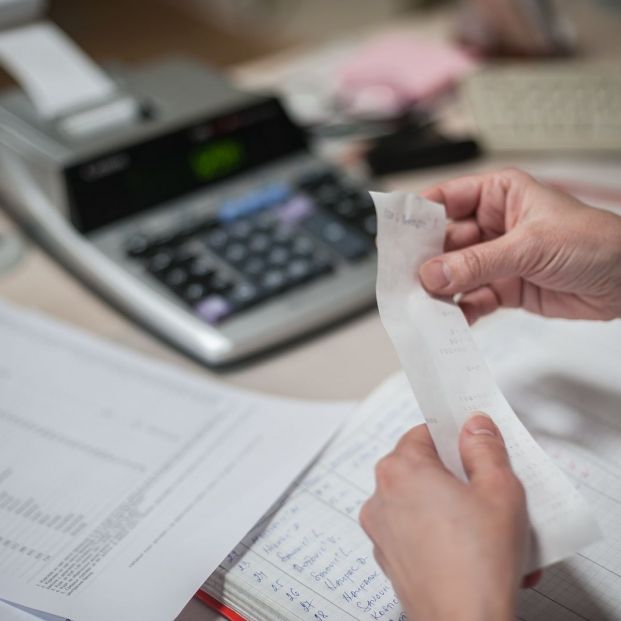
pixel 260 242
pixel 244 295
pixel 201 267
pixel 346 242
pixel 176 278
pixel 303 245
pixel 279 256
pixel 220 284
pixel 241 230
pixel 273 280
pixel 253 267
pixel 235 253
pixel 217 239
pixel 160 262
pixel 369 224
pixel 299 270
pixel 194 293
pixel 137 245
pixel 213 309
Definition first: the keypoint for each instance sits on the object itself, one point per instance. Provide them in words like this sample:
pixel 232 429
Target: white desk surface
pixel 346 362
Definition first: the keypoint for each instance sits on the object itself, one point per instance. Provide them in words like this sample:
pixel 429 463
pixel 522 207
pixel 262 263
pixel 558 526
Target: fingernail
pixel 435 275
pixel 481 424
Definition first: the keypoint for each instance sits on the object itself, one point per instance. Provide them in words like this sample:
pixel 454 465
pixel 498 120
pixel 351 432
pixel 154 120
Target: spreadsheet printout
pixel 123 481
pixel 309 559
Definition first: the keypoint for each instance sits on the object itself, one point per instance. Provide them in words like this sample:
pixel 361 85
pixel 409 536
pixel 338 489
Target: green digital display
pixel 152 172
pixel 217 159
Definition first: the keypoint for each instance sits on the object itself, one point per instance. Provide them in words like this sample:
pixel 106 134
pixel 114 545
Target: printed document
pixel 124 481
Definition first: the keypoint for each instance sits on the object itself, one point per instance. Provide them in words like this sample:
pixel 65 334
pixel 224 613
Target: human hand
pixel 515 242
pixel 452 550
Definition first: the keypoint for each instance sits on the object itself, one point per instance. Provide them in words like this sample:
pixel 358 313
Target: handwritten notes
pixel 450 378
pixel 309 559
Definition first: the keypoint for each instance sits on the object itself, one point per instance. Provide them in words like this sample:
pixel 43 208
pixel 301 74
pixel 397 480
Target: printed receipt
pixel 450 379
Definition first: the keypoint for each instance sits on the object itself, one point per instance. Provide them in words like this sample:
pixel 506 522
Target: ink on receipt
pixel 450 379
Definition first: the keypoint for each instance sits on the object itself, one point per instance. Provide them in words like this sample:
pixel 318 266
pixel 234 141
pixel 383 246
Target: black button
pixel 219 284
pixel 341 238
pixel 273 280
pixel 217 239
pixel 369 224
pixel 201 268
pixel 259 243
pixel 279 256
pixel 176 278
pixel 160 262
pixel 235 253
pixel 243 295
pixel 194 292
pixel 137 245
pixel 253 267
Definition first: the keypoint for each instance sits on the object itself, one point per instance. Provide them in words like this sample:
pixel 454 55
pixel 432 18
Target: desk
pixel 346 362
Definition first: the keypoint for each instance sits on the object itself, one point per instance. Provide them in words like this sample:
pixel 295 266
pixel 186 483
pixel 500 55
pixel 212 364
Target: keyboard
pixel 569 106
pixel 259 245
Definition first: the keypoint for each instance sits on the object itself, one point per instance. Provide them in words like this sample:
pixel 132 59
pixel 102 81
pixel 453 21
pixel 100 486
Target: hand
pixel 517 243
pixel 452 550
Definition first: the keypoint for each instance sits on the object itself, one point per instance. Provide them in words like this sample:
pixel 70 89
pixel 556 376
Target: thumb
pixel 469 268
pixel 482 448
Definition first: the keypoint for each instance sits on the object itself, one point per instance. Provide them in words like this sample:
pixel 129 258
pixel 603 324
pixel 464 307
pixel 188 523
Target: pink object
pixel 400 69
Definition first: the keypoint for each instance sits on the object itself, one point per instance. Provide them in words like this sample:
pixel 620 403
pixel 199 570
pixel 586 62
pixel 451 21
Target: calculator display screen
pixel 122 183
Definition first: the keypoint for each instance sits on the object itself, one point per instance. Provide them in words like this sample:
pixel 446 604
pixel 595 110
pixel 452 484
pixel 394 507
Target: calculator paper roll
pixel 450 379
pixel 57 76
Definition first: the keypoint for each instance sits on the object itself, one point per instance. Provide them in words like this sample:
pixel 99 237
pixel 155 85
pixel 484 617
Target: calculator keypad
pixel 260 245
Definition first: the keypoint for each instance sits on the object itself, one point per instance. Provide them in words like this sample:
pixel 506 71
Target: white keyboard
pixel 565 106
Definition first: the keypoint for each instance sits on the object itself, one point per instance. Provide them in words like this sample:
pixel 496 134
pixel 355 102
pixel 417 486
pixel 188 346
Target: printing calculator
pixel 209 220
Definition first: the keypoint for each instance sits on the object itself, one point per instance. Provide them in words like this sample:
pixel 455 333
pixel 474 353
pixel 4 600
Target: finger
pixel 478 303
pixel 491 192
pixel 461 234
pixel 533 579
pixel 380 559
pixel 472 267
pixel 482 448
pixel 418 448
pixel 460 197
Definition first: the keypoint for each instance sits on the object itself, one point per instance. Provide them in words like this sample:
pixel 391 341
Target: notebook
pixel 308 558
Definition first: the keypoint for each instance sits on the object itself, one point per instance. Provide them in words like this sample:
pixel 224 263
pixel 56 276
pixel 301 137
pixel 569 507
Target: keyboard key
pixel 213 309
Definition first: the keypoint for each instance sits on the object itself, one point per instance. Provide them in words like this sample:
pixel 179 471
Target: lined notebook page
pixel 309 559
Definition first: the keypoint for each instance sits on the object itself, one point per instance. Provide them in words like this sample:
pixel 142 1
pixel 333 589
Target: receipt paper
pixel 451 380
